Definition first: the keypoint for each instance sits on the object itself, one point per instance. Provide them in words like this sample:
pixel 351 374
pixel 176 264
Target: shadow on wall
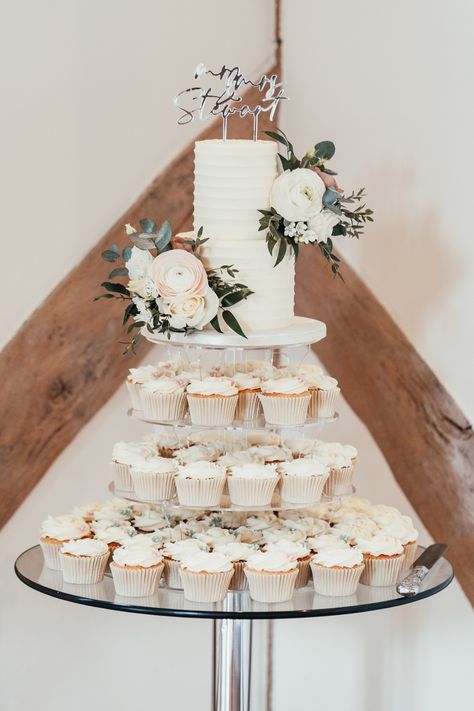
pixel 405 254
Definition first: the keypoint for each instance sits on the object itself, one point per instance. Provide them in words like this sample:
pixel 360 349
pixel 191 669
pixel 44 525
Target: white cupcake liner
pixel 164 407
pixel 136 582
pixel 122 478
pixel 172 574
pixel 303 573
pixel 410 554
pixel 239 579
pixel 302 489
pixel 381 572
pixel 51 554
pixel 212 410
pixel 134 390
pixel 339 481
pixel 205 587
pixel 244 491
pixel 336 581
pixel 323 402
pixel 282 410
pixel 83 570
pixel 249 406
pixel 157 486
pixel 271 587
pixel 199 492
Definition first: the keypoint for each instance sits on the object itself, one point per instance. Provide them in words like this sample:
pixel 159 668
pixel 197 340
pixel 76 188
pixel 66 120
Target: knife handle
pixel 410 585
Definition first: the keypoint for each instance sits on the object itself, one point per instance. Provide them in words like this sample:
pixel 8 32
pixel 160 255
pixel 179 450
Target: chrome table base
pixel 238 647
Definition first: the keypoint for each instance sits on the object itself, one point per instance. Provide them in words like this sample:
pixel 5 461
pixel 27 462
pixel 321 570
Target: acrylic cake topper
pixel 219 95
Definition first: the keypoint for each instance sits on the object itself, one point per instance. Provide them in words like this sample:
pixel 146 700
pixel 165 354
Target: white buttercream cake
pixel 232 183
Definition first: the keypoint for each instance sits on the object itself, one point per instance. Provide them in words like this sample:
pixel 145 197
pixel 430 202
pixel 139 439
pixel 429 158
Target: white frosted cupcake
pixel 255 438
pixel 299 446
pixel 248 405
pixel 401 527
pixel 341 463
pixel 84 561
pixel 164 399
pixel 125 455
pixel 285 401
pixel 298 551
pixel 135 379
pixel 196 453
pixel 252 484
pixel 302 480
pixel 324 394
pixel 238 553
pixel 212 401
pixel 200 484
pixel 174 552
pixel 153 479
pixel 337 571
pixel 206 576
pixel 383 558
pixel 269 454
pixel 328 539
pixel 113 534
pixel 55 531
pixel 271 576
pixel 136 569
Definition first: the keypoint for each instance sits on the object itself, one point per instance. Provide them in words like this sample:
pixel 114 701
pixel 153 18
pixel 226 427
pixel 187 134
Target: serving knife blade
pixel 410 585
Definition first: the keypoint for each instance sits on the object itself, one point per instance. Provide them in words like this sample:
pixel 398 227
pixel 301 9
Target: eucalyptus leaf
pixel 103 296
pixel 115 288
pixel 109 255
pixel 330 197
pixel 163 236
pixel 324 150
pixel 119 271
pixel 142 240
pixel 233 298
pixel 148 225
pixel 216 325
pixel 232 322
pixel 126 253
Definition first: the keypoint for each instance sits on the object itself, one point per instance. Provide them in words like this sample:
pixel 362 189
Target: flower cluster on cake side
pixel 308 207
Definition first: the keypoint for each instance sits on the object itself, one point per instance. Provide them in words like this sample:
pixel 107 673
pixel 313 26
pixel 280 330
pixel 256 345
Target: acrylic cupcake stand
pixel 242 651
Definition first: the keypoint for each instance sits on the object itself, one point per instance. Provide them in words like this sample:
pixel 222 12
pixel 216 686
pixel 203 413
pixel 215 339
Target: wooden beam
pixel 425 438
pixel 65 362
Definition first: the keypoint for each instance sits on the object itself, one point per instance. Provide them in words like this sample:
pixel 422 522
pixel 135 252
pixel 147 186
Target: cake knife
pixel 410 585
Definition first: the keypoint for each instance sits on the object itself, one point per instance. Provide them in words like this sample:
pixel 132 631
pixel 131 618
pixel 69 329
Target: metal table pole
pixel 241 665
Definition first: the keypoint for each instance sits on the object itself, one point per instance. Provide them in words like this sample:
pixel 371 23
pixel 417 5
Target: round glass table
pixel 232 618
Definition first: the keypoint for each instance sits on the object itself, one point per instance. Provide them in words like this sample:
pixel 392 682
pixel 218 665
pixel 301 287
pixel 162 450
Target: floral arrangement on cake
pixel 308 207
pixel 168 288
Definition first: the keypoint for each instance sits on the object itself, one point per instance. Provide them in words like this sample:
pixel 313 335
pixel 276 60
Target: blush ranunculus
pixel 178 272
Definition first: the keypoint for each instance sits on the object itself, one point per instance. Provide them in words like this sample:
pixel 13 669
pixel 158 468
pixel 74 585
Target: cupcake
pixel 164 399
pixel 238 553
pixel 302 480
pixel 125 455
pixel 206 576
pixel 149 520
pixel 324 393
pixel 297 551
pixel 153 479
pixel 135 379
pixel 285 401
pixel 136 570
pixel 83 561
pixel 86 511
pixel 200 484
pixel 271 576
pixel 196 453
pixel 252 484
pixel 341 465
pixel 248 405
pixel 168 445
pixel 383 558
pixel 337 571
pixel 269 454
pixel 323 541
pixel 174 552
pixel 113 534
pixel 254 438
pixel 212 401
pixel 401 527
pixel 299 446
pixel 55 531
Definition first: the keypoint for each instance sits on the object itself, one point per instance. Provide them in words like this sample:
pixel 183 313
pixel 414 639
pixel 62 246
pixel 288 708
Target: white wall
pixel 366 662
pixel 87 118
pixel 391 84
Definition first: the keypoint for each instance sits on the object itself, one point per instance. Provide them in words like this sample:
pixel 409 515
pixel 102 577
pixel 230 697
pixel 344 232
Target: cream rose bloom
pixel 177 273
pixel 190 310
pixel 322 223
pixel 297 195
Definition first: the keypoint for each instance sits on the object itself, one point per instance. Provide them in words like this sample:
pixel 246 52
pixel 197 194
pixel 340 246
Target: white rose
pixel 139 263
pixel 297 195
pixel 187 310
pixel 322 224
pixel 143 287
